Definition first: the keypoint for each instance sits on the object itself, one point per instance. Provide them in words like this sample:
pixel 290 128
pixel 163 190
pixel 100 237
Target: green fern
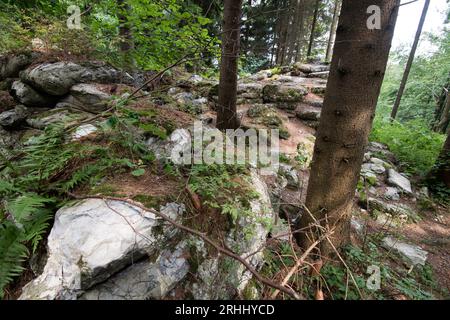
pixel 12 253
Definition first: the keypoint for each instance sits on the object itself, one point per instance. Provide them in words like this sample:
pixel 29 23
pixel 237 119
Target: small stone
pixel 413 254
pixel 290 174
pixel 13 118
pixel 83 131
pixel 397 180
pixel 392 193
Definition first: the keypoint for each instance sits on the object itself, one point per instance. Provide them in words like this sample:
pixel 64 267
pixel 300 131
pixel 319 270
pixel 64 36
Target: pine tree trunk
pixel 337 9
pixel 410 60
pixel 293 30
pixel 357 72
pixel 301 30
pixel 442 113
pixel 126 37
pixel 284 25
pixel 226 113
pixel 313 29
pixel 439 176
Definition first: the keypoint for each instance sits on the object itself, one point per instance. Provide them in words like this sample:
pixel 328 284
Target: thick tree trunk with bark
pixel 337 9
pixel 410 60
pixel 357 72
pixel 313 29
pixel 126 37
pixel 226 113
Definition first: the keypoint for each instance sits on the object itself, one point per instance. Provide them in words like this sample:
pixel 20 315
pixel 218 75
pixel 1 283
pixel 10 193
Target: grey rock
pixel 400 211
pixel 308 113
pixel 13 118
pixel 380 162
pixel 290 174
pixel 90 241
pixel 250 90
pixel 378 169
pixel 11 65
pixel 30 97
pixel 261 75
pixel 248 236
pixel 145 279
pixel 397 180
pixel 284 93
pixel 311 68
pixel 88 97
pixel 183 98
pixel 53 78
pixel 357 225
pixel 412 253
pixel 392 194
pixel 195 78
pixel 321 75
pixel 100 72
pixel 58 115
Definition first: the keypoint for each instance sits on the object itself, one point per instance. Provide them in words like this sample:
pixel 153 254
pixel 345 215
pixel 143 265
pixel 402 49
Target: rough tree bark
pixel 226 113
pixel 442 118
pixel 410 60
pixel 300 30
pixel 313 29
pixel 440 174
pixel 282 40
pixel 357 71
pixel 125 34
pixel 337 9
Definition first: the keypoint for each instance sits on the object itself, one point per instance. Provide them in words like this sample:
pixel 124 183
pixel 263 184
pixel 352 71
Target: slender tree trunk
pixel 439 175
pixel 444 118
pixel 337 9
pixel 357 72
pixel 226 115
pixel 313 29
pixel 283 34
pixel 301 30
pixel 292 31
pixel 410 60
pixel 126 37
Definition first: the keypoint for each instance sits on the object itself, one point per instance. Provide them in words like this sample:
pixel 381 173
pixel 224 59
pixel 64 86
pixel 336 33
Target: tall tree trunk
pixel 410 60
pixel 284 25
pixel 357 72
pixel 337 9
pixel 226 115
pixel 442 113
pixel 439 176
pixel 313 29
pixel 126 37
pixel 301 30
pixel 292 31
pixel 444 119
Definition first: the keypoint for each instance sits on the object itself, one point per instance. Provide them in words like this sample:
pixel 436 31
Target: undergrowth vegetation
pixel 51 166
pixel 350 281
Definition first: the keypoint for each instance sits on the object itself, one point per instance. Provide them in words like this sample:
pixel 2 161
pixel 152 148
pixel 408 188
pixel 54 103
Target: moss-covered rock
pixel 283 93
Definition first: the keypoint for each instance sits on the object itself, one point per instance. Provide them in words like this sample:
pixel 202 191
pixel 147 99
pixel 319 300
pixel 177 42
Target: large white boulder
pixel 91 240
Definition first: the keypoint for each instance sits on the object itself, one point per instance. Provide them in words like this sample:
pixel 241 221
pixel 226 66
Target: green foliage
pixel 162 31
pixel 415 145
pixel 220 188
pixel 411 139
pixel 49 169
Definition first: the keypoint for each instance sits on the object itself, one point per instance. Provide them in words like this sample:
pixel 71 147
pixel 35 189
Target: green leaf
pixel 138 172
